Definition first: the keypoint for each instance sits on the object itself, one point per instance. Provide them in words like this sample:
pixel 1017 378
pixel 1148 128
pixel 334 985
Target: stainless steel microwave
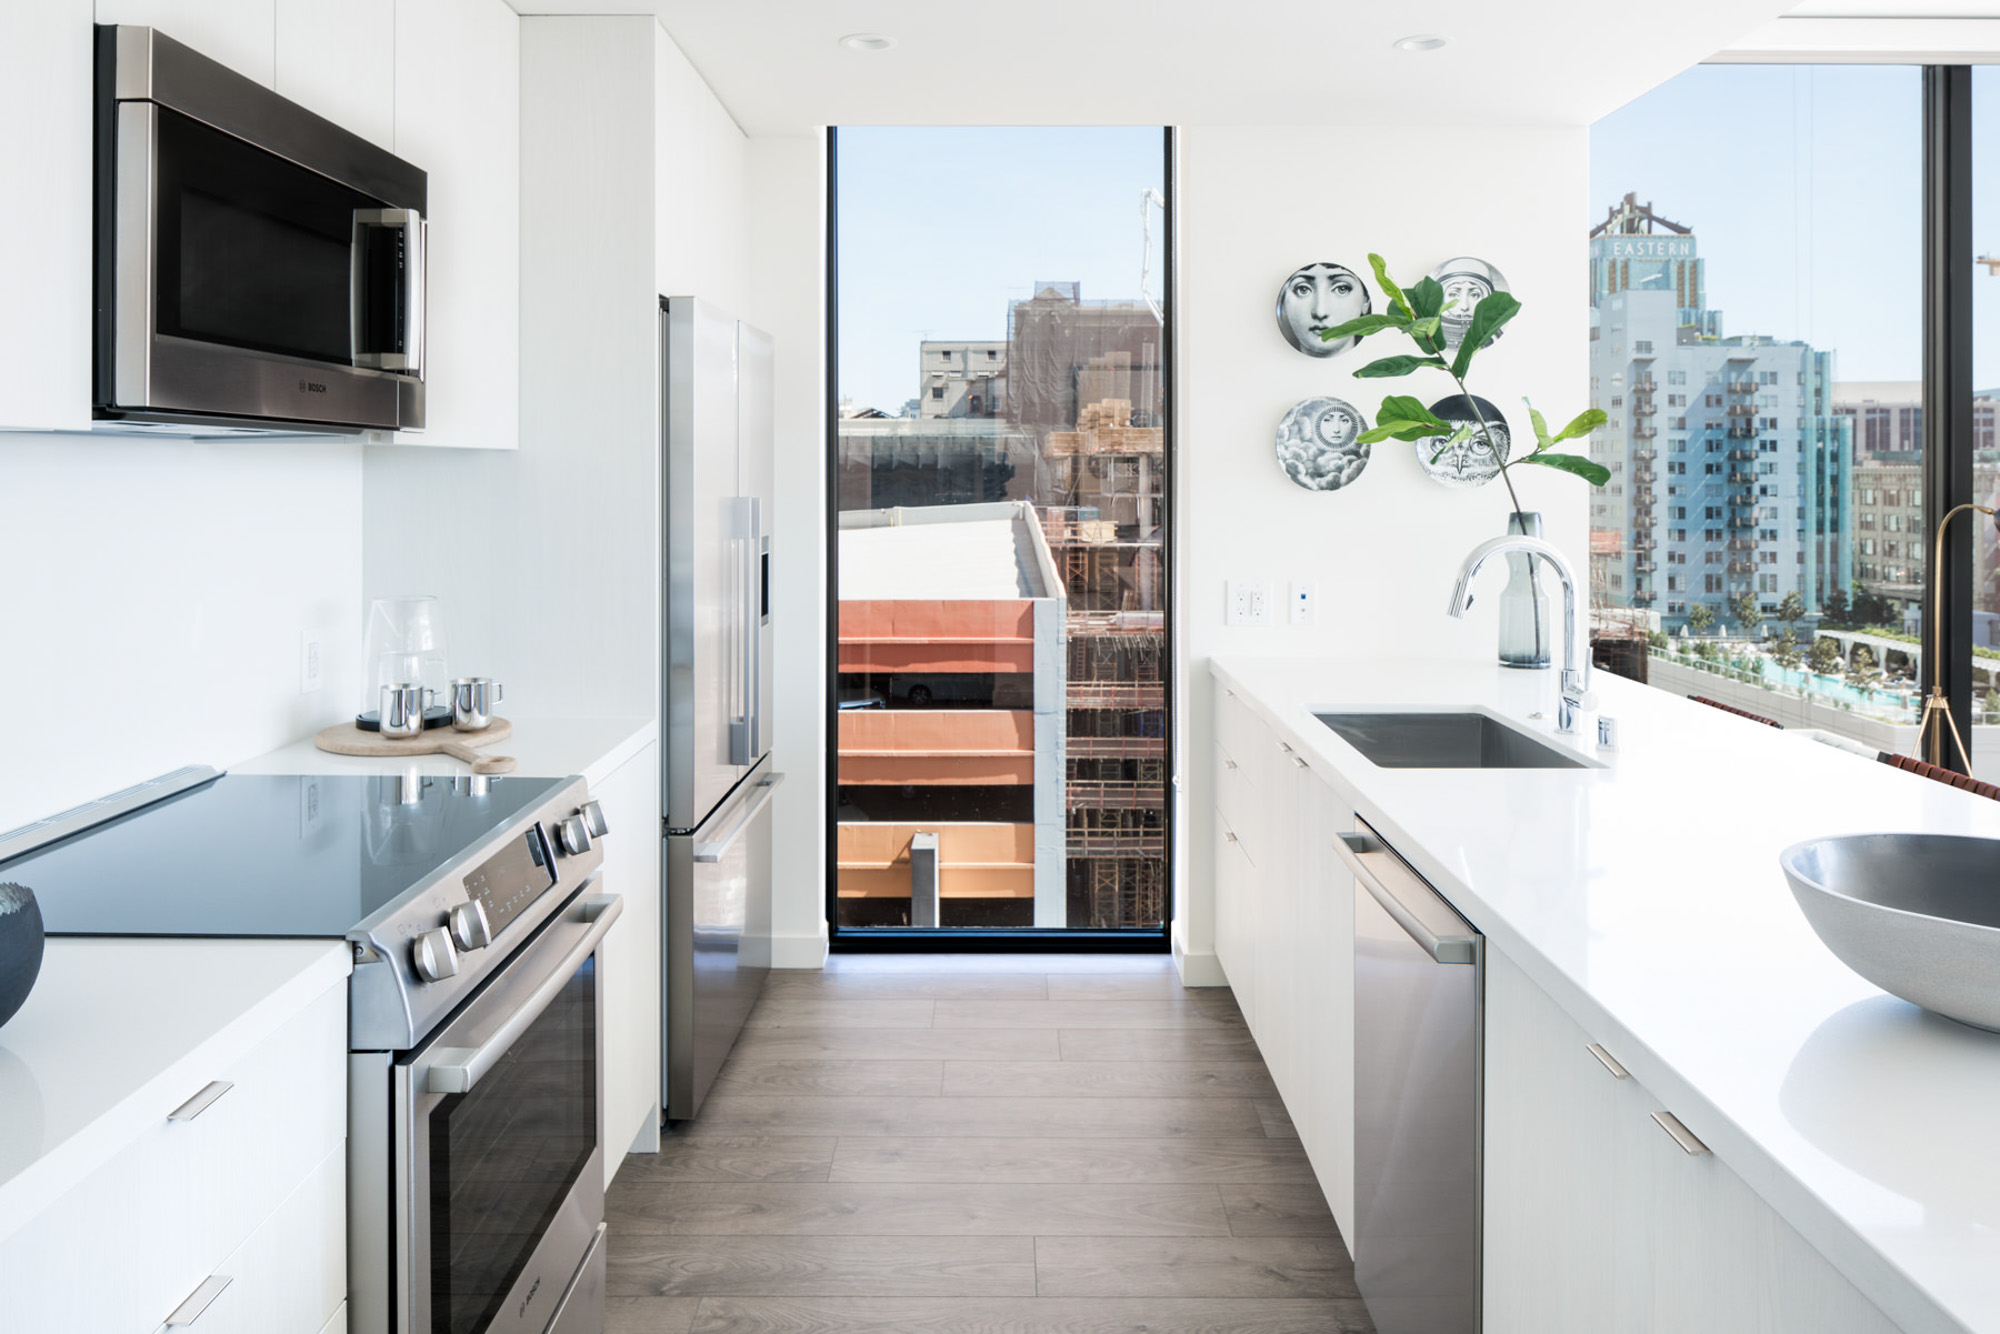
pixel 258 268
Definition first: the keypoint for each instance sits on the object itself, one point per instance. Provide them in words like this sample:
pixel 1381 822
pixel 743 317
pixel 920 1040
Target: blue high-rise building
pixel 1730 471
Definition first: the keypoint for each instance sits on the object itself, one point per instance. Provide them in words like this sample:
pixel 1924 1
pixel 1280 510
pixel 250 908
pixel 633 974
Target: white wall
pixel 153 594
pixel 547 559
pixel 788 298
pixel 1255 203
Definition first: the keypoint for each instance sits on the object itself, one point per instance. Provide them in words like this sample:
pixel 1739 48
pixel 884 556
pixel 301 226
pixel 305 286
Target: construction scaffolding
pixel 1102 513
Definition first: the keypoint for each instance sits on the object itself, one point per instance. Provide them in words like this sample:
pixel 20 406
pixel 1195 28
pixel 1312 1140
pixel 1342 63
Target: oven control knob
pixel 469 928
pixel 593 818
pixel 573 836
pixel 433 955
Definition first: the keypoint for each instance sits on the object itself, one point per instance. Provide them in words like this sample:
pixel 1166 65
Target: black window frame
pixel 997 940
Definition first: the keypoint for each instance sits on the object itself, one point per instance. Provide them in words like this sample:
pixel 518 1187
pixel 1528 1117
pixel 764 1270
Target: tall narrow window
pixel 1001 523
pixel 1746 270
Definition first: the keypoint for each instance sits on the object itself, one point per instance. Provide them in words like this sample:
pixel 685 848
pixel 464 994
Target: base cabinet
pixel 1284 933
pixel 1597 1220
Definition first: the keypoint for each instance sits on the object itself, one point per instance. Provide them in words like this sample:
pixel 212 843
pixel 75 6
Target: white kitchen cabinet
pixel 630 797
pixel 236 33
pixel 1284 933
pixel 45 89
pixel 251 1185
pixel 458 116
pixel 1322 959
pixel 1597 1221
pixel 337 58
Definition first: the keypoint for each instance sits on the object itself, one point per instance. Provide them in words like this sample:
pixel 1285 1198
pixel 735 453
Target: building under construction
pixel 1081 438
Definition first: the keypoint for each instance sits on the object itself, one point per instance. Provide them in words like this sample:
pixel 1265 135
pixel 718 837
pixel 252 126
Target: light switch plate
pixel 312 661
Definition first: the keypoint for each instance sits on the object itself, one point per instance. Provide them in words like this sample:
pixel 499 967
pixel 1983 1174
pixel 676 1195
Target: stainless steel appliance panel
pixel 718 939
pixel 1417 997
pixel 704 654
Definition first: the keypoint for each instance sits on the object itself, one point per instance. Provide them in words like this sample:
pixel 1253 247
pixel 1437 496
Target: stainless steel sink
pixel 1916 914
pixel 1444 741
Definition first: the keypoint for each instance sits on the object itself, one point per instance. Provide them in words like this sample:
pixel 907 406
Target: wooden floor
pixel 983 1145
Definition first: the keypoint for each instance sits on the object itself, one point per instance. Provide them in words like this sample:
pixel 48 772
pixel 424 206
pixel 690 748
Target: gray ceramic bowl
pixel 1916 914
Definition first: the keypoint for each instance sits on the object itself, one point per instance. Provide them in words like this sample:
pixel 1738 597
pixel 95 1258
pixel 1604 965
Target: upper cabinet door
pixel 458 116
pixel 337 58
pixel 236 33
pixel 45 82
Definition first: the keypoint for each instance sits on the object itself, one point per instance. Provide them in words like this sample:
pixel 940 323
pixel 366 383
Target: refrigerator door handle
pixel 714 852
pixel 744 739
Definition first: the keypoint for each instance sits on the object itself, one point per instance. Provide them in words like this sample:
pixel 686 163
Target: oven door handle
pixel 458 1069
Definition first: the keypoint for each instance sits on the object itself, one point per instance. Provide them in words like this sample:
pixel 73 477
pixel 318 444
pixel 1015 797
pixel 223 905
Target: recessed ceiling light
pixel 1420 42
pixel 867 41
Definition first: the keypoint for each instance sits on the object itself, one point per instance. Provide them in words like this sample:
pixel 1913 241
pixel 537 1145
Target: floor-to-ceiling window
pixel 1758 295
pixel 1000 445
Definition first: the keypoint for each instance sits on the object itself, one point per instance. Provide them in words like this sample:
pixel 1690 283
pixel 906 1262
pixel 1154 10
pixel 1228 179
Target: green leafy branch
pixel 1419 314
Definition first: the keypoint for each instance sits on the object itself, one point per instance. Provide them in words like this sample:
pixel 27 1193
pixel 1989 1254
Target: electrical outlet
pixel 1249 603
pixel 1304 602
pixel 312 661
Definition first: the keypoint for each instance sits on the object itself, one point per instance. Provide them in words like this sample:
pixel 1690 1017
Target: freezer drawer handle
pixel 1444 949
pixel 458 1069
pixel 714 852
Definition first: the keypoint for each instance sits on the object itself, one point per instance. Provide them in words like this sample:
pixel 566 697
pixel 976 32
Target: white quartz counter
pixel 1646 898
pixel 545 747
pixel 118 1033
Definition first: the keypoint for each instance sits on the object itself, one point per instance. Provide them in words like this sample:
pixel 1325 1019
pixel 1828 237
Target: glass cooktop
pixel 265 854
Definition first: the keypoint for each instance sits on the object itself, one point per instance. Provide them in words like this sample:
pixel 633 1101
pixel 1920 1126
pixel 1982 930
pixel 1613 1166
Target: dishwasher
pixel 1418 985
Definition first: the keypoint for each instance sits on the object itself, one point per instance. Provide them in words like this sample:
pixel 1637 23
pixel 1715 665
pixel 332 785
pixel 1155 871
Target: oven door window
pixel 504 1156
pixel 253 251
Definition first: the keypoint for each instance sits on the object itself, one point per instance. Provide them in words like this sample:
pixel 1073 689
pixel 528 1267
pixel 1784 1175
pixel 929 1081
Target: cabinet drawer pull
pixel 1300 762
pixel 1229 838
pixel 1229 764
pixel 194 1107
pixel 190 1310
pixel 1684 1137
pixel 1604 1058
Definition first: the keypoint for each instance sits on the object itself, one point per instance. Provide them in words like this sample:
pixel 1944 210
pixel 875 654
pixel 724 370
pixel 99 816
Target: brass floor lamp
pixel 1936 706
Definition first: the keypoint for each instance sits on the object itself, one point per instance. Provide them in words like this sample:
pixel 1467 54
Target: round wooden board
pixel 347 739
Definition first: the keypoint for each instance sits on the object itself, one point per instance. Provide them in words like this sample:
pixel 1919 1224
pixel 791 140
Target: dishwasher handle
pixel 1420 910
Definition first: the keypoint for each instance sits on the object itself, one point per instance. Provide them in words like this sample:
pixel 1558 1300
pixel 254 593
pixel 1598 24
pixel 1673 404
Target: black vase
pixel 20 947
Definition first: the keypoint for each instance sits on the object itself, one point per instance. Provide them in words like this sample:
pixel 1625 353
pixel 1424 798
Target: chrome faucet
pixel 1576 648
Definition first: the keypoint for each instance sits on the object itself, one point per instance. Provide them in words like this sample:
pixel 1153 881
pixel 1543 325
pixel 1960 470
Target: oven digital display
pixel 512 878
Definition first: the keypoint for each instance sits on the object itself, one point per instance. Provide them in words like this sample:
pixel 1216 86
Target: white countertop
pixel 118 1033
pixel 1646 898
pixel 545 747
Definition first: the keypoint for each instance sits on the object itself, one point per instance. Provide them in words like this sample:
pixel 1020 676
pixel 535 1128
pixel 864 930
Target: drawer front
pixel 290 1276
pixel 134 1239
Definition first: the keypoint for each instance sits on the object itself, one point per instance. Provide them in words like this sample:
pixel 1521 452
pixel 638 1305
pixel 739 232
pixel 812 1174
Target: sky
pixel 940 227
pixel 1802 185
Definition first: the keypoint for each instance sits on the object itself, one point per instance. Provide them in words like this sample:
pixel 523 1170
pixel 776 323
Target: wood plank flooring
pixel 965 1144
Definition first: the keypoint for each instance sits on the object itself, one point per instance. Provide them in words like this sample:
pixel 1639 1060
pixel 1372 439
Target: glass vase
pixel 1524 606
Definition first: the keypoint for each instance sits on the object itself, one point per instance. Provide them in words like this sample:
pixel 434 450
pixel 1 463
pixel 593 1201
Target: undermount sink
pixel 1444 741
pixel 1916 914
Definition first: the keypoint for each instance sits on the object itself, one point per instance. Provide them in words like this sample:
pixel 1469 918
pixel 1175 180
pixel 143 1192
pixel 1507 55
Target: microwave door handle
pixel 459 1069
pixel 409 359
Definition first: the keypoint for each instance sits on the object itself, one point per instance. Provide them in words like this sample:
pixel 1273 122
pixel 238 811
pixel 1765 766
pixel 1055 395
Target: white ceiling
pixel 779 67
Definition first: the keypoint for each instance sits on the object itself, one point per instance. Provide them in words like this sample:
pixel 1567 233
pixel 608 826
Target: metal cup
pixel 472 701
pixel 402 711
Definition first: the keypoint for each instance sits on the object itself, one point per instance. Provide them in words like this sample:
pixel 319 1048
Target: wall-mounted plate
pixel 1320 296
pixel 1318 445
pixel 1467 281
pixel 1471 462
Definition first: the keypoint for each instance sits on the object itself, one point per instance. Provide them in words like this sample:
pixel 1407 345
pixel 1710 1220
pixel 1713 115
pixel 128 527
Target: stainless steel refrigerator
pixel 716 781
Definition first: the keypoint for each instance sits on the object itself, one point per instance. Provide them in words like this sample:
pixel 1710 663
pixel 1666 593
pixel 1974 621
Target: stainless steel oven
pixel 499 1145
pixel 258 268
